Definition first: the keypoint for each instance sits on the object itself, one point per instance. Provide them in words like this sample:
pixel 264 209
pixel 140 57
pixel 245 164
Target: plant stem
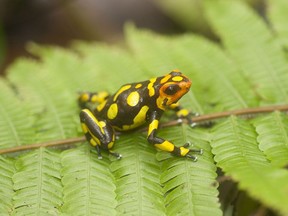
pixel 68 141
pixel 202 118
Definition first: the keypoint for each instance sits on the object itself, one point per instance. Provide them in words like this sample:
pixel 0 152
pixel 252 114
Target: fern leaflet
pixel 37 183
pixel 235 146
pixel 88 186
pixel 273 137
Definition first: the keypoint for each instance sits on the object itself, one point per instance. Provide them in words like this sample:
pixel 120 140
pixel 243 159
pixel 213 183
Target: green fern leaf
pixel 187 13
pixel 219 71
pixel 88 185
pixel 207 76
pixel 15 122
pixel 137 177
pixel 183 180
pixel 273 137
pixel 277 13
pixel 250 69
pixel 6 185
pixel 55 119
pixel 235 146
pixel 37 183
pixel 253 47
pixel 110 61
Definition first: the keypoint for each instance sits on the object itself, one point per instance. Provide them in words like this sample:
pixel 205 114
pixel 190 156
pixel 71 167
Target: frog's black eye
pixel 172 89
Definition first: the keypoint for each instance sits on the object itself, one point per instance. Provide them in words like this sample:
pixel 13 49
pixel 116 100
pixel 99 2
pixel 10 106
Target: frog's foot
pixel 115 154
pixel 99 152
pixel 190 122
pixel 195 114
pixel 193 151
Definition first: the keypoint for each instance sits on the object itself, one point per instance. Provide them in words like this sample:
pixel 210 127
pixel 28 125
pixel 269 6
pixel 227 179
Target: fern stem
pixel 68 141
pixel 240 112
pixel 201 118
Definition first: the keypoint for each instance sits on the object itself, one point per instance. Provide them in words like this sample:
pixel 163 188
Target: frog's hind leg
pixel 97 132
pixel 86 98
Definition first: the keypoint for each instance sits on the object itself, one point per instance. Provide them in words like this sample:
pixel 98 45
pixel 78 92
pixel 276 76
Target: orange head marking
pixel 174 86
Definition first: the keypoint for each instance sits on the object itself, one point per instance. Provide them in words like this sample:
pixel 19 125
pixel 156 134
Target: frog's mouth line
pixel 165 101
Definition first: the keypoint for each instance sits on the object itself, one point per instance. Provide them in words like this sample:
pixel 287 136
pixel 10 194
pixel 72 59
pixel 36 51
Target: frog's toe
pixel 115 154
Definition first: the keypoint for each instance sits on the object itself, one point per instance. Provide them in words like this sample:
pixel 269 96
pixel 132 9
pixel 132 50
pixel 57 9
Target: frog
pixel 132 106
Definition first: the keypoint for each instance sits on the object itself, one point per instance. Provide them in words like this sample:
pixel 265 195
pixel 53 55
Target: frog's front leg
pixel 166 145
pixel 98 133
pixel 183 113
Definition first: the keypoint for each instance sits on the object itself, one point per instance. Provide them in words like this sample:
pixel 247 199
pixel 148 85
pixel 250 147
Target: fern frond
pixel 220 81
pixel 215 81
pixel 250 69
pixel 112 62
pixel 187 13
pixel 83 69
pixel 273 137
pixel 88 185
pixel 15 123
pixel 6 185
pixel 253 47
pixel 55 119
pixel 236 152
pixel 277 13
pixel 188 186
pixel 137 177
pixel 37 183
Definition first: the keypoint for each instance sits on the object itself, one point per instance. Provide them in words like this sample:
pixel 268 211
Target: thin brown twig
pixel 201 118
pixel 68 141
pixel 240 112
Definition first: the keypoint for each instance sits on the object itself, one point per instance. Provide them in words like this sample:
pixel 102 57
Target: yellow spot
pixel 84 128
pixel 112 111
pixel 174 105
pixel 99 97
pixel 177 78
pixel 94 141
pixel 138 120
pixel 165 79
pixel 94 98
pixel 184 151
pixel 122 89
pixel 126 127
pixel 102 124
pixel 165 146
pixel 159 103
pixel 183 112
pixel 84 97
pixel 101 106
pixel 151 88
pixel 138 85
pixel 110 145
pixel 152 126
pixel 141 116
pixel 133 98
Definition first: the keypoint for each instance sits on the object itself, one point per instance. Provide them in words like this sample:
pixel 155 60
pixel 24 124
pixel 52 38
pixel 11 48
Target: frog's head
pixel 172 87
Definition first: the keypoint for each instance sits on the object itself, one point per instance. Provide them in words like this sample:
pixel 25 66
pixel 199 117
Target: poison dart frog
pixel 133 105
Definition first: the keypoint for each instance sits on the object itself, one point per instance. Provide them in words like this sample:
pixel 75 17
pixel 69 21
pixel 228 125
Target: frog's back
pixel 127 108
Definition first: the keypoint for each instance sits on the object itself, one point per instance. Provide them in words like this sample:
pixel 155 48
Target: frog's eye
pixel 172 89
